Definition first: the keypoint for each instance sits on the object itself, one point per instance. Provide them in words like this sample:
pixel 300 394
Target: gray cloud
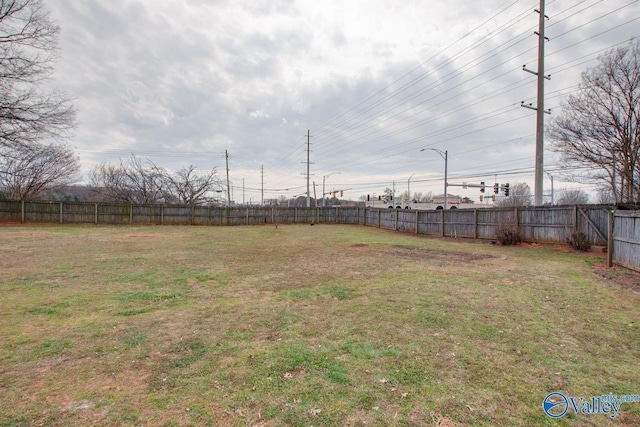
pixel 182 81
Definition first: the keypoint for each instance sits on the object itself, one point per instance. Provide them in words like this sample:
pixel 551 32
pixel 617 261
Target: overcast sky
pixel 375 81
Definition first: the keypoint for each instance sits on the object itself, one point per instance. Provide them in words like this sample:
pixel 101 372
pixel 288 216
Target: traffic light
pixel 493 198
pixel 496 188
pixel 482 187
pixel 341 193
pixel 506 189
pixel 481 197
pixel 368 198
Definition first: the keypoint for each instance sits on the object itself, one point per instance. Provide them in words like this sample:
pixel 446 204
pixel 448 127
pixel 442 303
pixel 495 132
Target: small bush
pixel 579 241
pixel 508 236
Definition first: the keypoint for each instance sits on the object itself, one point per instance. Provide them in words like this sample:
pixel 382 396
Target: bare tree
pixel 573 196
pixel 129 181
pixel 519 195
pixel 189 188
pixel 423 198
pixel 28 171
pixel 28 42
pixel 604 196
pixel 598 131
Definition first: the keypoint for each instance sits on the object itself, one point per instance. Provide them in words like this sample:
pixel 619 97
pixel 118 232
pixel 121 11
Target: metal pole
pixel 308 159
pixel 445 178
pixel 226 155
pixel 324 199
pixel 324 177
pixel 539 170
pixel 445 156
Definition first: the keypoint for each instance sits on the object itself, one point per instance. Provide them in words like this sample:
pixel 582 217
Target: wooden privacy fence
pixel 625 239
pixel 546 224
pixel 540 224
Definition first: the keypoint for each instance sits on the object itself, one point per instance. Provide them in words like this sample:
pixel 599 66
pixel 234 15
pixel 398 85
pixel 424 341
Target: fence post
pixel 475 224
pixel 247 216
pixel 22 212
pixel 162 215
pixel 336 214
pixel 130 214
pixel 610 226
pixel 95 214
pixel 442 223
pixel 395 225
pixel 60 212
pixel 378 217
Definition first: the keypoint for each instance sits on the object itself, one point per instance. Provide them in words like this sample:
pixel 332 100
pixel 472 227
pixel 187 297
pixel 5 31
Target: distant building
pixel 453 202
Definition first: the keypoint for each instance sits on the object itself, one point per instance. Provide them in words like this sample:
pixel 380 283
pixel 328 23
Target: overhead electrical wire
pixel 388 120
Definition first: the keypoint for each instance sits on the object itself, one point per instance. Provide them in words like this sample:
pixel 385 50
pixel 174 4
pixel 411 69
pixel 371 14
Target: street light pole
pixel 324 200
pixel 444 155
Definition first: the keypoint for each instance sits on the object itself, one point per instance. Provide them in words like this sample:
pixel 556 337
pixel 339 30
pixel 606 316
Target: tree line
pixel 36 124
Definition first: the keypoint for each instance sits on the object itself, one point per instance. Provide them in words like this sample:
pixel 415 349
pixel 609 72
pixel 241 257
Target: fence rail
pixel 535 224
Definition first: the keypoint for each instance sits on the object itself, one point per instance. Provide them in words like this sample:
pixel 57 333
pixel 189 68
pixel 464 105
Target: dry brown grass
pixel 299 325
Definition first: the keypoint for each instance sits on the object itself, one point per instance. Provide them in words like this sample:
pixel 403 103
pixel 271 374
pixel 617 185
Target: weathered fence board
pixel 626 239
pixel 10 211
pixel 429 222
pixel 42 212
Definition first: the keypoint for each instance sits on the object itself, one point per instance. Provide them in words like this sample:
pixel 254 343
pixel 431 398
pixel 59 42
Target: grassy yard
pixel 299 325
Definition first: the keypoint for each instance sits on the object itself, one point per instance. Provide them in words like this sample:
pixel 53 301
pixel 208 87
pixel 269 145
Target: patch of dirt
pixel 625 278
pixel 442 421
pixel 419 253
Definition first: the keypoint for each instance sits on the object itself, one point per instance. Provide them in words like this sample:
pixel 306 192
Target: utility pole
pixel 262 185
pixel 308 164
pixel 226 154
pixel 243 190
pixel 539 167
